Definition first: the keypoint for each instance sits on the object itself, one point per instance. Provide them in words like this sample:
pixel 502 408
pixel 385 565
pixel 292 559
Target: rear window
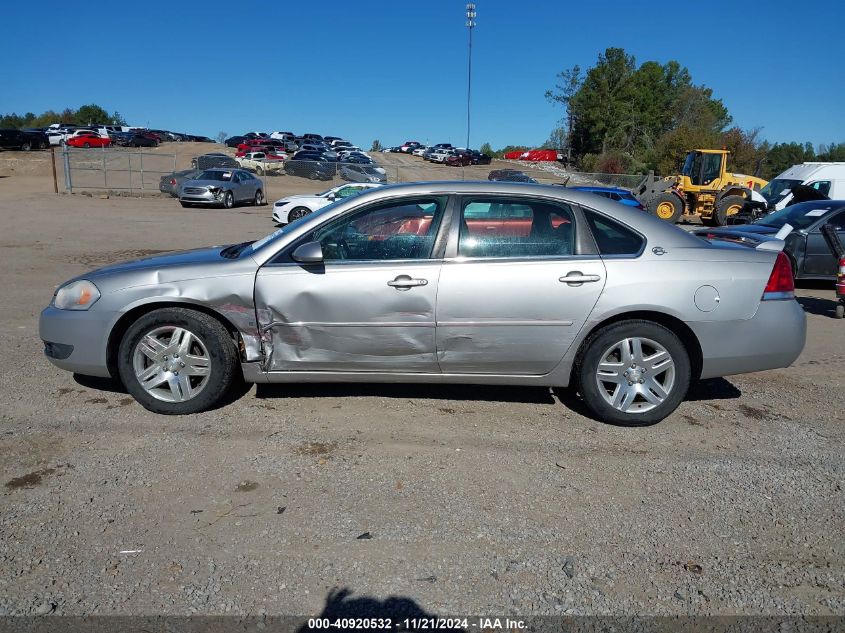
pixel 612 237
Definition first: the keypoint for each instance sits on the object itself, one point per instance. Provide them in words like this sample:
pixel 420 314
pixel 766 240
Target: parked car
pixel 355 157
pixel 22 140
pixel 212 160
pixel 222 187
pixel 362 173
pixel 458 159
pixel 810 255
pixel 140 140
pixel 419 151
pixel 544 286
pixel 234 141
pixel 509 175
pixel 311 165
pixel 479 158
pixel 88 139
pixel 171 184
pixel 409 146
pixel 613 193
pixel 261 162
pixel 295 207
pixel 440 155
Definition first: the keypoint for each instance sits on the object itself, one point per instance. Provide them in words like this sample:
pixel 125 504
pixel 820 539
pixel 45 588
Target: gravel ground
pixel 460 499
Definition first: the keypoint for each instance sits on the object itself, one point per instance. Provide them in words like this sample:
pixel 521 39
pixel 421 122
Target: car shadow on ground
pixel 340 605
pixel 492 393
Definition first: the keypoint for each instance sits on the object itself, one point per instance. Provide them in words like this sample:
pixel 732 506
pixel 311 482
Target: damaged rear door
pixel 369 305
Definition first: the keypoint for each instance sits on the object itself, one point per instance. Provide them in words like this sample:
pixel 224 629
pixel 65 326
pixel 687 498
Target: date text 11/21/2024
pixel 416 624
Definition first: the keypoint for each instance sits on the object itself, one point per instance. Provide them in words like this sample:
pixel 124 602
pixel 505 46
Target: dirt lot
pixel 459 499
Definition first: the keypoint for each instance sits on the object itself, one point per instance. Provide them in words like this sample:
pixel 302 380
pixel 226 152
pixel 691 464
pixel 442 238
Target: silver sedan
pixel 222 187
pixel 470 282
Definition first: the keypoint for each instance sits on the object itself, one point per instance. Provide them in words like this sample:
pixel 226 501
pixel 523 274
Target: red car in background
pixel 89 140
pixel 458 160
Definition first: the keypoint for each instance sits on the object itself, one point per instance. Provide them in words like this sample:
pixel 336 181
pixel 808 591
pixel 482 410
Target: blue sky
pixel 396 70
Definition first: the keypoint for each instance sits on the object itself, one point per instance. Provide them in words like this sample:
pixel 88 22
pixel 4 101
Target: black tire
pixel 586 370
pixel 228 200
pixel 666 206
pixel 86 145
pixel 727 206
pixel 43 144
pixel 26 146
pixel 259 199
pixel 187 205
pixel 839 312
pixel 298 212
pixel 222 352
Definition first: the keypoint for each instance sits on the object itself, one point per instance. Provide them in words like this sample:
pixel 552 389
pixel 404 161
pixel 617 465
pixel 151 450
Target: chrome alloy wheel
pixel 171 364
pixel 635 375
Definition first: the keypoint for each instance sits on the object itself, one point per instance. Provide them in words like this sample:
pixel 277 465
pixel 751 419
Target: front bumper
pixel 76 340
pixel 773 338
pixel 202 198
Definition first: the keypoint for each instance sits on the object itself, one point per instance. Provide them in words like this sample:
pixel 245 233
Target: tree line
pixel 620 117
pixel 85 115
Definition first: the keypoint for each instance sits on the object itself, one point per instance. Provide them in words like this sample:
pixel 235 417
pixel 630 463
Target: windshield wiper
pixel 234 250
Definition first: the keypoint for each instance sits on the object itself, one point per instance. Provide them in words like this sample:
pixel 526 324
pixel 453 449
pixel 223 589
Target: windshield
pixel 800 216
pixel 777 188
pixel 223 176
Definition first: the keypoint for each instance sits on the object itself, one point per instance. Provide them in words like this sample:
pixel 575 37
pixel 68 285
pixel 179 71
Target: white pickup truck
pixel 261 163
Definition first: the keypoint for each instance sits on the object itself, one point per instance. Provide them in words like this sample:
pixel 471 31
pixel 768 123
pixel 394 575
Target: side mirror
pixel 308 253
pixel 331 197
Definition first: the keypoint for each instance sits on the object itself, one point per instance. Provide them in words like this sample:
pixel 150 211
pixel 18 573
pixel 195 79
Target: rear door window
pixel 612 237
pixel 502 227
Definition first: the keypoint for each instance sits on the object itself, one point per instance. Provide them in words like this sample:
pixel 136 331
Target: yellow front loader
pixel 704 188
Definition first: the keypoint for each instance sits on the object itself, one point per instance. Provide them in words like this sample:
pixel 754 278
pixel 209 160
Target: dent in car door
pixel 370 305
pixel 345 316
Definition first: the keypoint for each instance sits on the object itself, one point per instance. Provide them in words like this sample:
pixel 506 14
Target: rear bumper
pixel 774 337
pixel 76 340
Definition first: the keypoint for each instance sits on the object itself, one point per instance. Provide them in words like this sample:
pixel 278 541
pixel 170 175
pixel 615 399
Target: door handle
pixel 576 278
pixel 406 282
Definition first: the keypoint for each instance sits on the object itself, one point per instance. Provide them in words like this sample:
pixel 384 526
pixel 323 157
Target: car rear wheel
pixel 229 200
pixel 839 313
pixel 259 198
pixel 26 146
pixel 86 145
pixel 298 212
pixel 177 361
pixel 633 373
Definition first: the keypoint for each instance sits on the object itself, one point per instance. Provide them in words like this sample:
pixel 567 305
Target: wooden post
pixel 53 164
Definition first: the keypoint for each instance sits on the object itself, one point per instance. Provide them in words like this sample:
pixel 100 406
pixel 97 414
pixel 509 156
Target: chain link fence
pixel 133 172
pixel 115 169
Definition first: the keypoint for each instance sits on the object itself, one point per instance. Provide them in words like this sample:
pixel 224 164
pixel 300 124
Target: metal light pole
pixel 470 25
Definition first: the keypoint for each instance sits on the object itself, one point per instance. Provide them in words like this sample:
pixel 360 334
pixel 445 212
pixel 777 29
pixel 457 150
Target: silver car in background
pixel 447 282
pixel 222 187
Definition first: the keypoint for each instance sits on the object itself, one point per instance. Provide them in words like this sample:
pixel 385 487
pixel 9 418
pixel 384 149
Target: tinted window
pixel 613 238
pixel 838 221
pixel 396 230
pixel 503 227
pixel 822 186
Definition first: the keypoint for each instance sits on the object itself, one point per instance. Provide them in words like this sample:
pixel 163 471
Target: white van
pixel 826 178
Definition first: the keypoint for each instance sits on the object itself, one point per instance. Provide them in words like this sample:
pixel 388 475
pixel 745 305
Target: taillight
pixel 781 283
pixel 172 181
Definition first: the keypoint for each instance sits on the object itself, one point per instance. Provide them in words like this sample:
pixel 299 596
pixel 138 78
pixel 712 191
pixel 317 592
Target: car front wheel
pixel 633 373
pixel 177 361
pixel 229 200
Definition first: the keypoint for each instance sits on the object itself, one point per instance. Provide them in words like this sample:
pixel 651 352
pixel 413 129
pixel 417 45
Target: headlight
pixel 78 295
